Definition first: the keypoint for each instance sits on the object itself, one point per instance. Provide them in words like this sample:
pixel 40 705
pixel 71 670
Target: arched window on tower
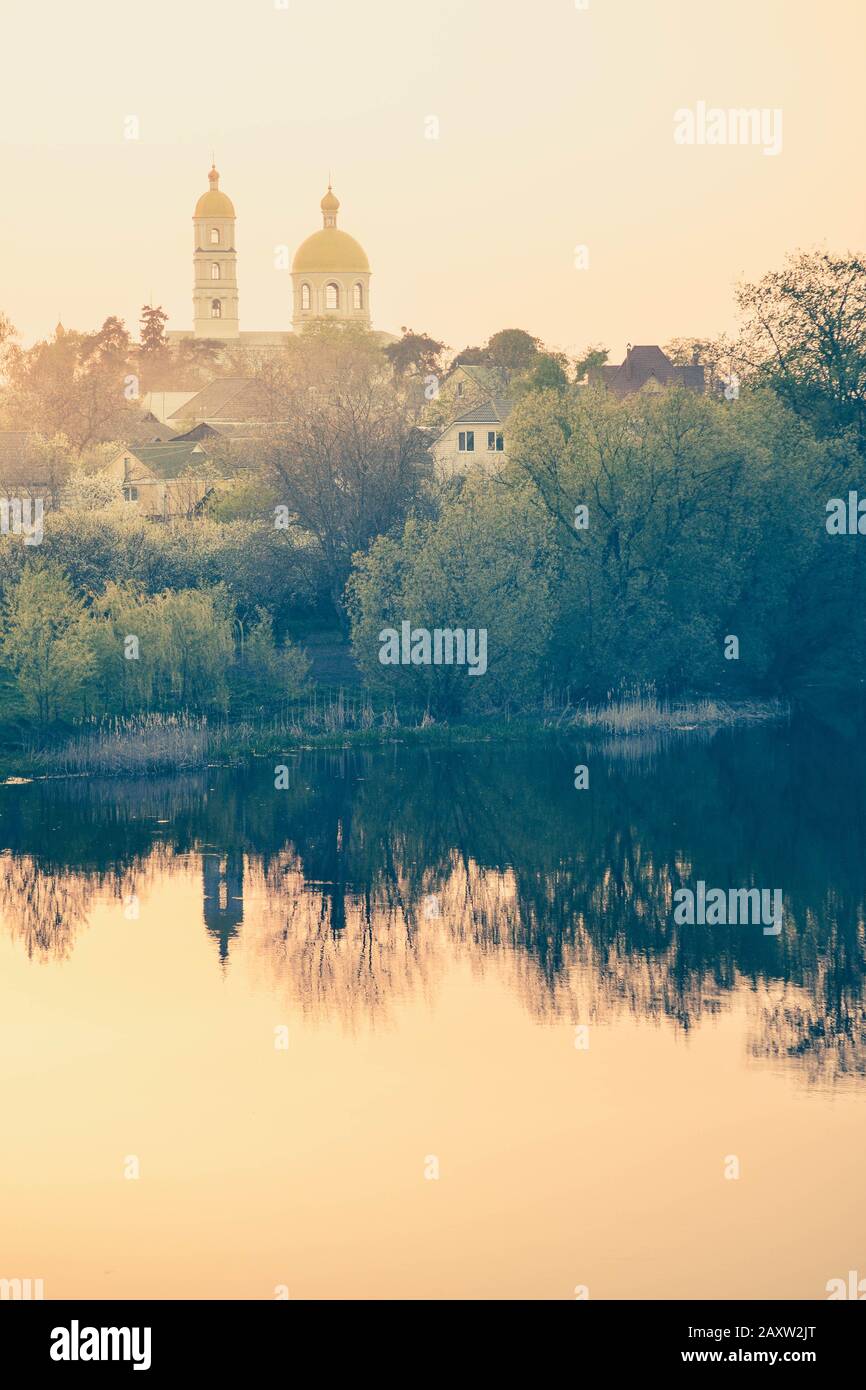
pixel 214 271
pixel 216 309
pixel 332 296
pixel 305 297
pixel 357 297
pixel 214 236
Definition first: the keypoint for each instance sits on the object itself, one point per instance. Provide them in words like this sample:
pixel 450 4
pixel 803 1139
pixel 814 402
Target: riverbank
pixel 154 744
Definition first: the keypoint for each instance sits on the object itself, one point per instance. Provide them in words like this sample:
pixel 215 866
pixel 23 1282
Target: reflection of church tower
pixel 223 891
pixel 215 289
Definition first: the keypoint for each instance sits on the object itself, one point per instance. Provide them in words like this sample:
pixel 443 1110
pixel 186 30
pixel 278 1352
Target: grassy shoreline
pixel 155 744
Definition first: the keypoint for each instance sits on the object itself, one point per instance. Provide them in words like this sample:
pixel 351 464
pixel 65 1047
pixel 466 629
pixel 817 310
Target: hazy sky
pixel 555 130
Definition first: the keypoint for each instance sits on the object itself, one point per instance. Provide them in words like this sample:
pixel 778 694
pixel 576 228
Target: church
pixel 330 274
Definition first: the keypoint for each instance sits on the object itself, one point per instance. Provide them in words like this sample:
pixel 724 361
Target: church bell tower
pixel 215 288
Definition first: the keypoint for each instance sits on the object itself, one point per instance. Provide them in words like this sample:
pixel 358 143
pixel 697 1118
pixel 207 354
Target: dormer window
pixel 214 236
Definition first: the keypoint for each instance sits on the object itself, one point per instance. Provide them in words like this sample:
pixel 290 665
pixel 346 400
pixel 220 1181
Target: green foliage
pixel 46 642
pixel 512 349
pixel 161 651
pixel 704 521
pixel 547 373
pixel 485 562
pixel 153 321
pixel 415 351
pixel 264 674
pixel 248 499
pixel 804 334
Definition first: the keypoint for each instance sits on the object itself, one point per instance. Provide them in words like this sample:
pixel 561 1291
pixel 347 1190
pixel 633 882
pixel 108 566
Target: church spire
pixel 330 206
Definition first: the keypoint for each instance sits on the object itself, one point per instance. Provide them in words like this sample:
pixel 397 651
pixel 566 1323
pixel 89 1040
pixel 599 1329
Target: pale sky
pixel 555 130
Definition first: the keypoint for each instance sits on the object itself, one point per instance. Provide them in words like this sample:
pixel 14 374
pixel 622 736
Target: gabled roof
pixel 646 363
pixel 147 429
pixel 491 412
pixel 229 398
pixel 167 460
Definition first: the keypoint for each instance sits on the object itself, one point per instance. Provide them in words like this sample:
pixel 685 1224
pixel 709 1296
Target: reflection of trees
pixel 571 892
pixel 42 910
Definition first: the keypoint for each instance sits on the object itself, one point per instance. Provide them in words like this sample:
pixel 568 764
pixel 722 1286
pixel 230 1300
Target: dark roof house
pixel 646 368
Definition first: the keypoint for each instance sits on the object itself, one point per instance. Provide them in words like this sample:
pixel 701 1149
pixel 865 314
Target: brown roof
pixel 230 398
pixel 642 364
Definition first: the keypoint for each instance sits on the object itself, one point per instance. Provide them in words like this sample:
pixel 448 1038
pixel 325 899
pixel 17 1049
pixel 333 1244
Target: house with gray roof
pixel 475 437
pixel 165 481
pixel 646 368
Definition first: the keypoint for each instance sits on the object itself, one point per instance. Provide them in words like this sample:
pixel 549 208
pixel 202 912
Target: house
pixel 148 430
pixel 164 481
pixel 468 385
pixel 162 404
pixel 475 437
pixel 646 369
pixel 228 401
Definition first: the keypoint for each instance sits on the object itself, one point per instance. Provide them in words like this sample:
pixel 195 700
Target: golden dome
pixel 330 250
pixel 213 203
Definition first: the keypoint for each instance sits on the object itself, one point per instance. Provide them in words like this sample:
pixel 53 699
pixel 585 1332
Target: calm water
pixel 434 932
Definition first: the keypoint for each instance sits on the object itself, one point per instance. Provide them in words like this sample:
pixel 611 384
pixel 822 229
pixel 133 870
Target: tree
pixel 181 654
pixel 264 673
pixel 80 385
pixel 471 357
pixel 679 521
pixel 512 349
pixel 547 373
pixel 349 461
pixel 592 359
pixel 716 355
pixel 415 351
pixel 485 562
pixel 153 340
pixel 7 332
pixel 46 642
pixel 804 334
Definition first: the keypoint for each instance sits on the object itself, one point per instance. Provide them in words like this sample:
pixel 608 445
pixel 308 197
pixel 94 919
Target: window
pixel 130 494
pixel 332 296
pixel 305 296
pixel 461 386
pixel 495 442
pixel 466 442
pixel 216 309
pixel 357 297
pixel 214 236
pixel 214 271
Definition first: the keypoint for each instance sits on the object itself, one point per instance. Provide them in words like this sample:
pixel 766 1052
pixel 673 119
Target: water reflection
pixel 359 882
